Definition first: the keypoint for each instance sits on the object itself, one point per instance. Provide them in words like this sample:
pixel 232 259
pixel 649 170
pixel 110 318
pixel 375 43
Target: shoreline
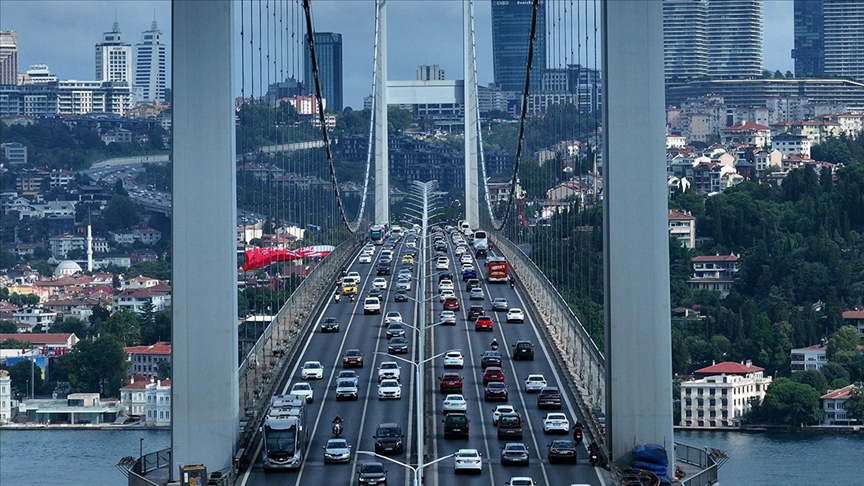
pixel 767 428
pixel 6 427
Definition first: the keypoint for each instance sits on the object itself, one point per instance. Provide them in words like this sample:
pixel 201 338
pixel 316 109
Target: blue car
pixel 469 274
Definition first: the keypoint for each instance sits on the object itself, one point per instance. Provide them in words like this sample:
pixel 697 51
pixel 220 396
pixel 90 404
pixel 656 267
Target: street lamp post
pixel 417 470
pixel 140 455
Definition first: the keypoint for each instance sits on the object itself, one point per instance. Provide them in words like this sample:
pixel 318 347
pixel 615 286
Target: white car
pixel 380 283
pixel 446 294
pixel 403 284
pixel 515 315
pixel 466 258
pixel 391 317
pixel 303 390
pixel 534 383
pixel 389 389
pixel 461 250
pixel 476 294
pixel 521 481
pixel 448 317
pixel 454 359
pixel 354 275
pixel 348 375
pixel 443 263
pixel 501 409
pixel 312 369
pixel 468 460
pixel 445 284
pixel 455 403
pixel 371 305
pixel 468 268
pixel 556 422
pixel 365 258
pixel 389 370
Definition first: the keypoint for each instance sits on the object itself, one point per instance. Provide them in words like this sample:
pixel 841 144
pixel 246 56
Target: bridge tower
pixel 415 92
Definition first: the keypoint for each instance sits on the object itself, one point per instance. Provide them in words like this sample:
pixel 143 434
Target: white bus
pixel 285 433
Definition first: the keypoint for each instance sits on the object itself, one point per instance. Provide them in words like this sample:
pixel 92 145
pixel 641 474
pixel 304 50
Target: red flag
pixel 261 257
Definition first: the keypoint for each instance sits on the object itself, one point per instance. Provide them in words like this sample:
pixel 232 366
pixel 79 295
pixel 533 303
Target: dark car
pixel 376 292
pixel 490 358
pixel 523 350
pixel 372 474
pixel 450 382
pixel 493 373
pixel 330 324
pixel 484 323
pixel 549 397
pixel 352 358
pixel 476 311
pixel 382 269
pixel 388 439
pixel 509 426
pixel 395 329
pixel 496 391
pixel 401 296
pixel 397 345
pixel 445 276
pixel 562 451
pixel 471 283
pixel 514 453
pixel 456 424
pixel 480 253
pixel 468 275
pixel 451 304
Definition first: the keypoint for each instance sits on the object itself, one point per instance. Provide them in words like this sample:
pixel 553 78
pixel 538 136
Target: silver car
pixel 337 450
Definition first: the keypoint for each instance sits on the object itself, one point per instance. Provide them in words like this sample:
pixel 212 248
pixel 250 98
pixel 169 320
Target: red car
pixel 493 373
pixel 484 323
pixel 451 304
pixel 450 383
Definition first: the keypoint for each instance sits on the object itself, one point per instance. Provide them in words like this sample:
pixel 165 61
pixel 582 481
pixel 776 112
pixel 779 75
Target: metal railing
pixel 709 460
pixel 148 463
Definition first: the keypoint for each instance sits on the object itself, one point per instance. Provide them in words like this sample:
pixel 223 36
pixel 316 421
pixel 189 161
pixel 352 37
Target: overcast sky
pixel 62 34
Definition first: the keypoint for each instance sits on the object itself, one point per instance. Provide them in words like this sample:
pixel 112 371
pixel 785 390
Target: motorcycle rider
pixel 337 426
pixel 337 297
pixel 494 344
pixel 512 282
pixel 337 420
pixel 577 430
pixel 594 447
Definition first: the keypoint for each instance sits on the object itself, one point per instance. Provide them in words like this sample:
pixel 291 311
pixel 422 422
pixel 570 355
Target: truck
pixel 498 269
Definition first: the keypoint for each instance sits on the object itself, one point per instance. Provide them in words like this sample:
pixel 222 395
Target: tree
pixel 23 300
pixel 791 403
pixel 71 325
pixel 163 370
pixel 98 316
pixel 16 344
pixel 96 366
pixel 398 119
pixel 813 378
pixel 123 324
pixel 855 403
pixel 121 213
pixel 7 327
pixel 845 339
pixel 21 372
pixel 834 371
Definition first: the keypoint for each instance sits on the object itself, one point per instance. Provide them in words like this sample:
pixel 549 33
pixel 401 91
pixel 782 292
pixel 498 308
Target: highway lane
pixel 362 416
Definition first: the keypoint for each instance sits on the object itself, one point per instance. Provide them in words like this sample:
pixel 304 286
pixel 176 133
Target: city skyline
pixel 63 36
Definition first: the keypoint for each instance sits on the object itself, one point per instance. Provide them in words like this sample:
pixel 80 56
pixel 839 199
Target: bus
pixel 376 235
pixel 285 434
pixel 498 268
pixel 481 240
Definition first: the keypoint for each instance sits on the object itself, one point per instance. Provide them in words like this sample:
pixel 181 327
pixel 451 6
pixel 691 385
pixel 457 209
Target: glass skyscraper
pixel 809 51
pixel 328 50
pixel 511 27
pixel 829 38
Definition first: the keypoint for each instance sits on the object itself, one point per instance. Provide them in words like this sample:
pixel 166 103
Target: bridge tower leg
pixel 382 160
pixel 472 205
pixel 637 316
pixel 205 395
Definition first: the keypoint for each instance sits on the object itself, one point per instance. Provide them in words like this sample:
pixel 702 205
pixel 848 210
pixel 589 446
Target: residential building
pixel 139 282
pixel 789 144
pixel 158 406
pixel 61 245
pixel 746 133
pixel 685 42
pixel 758 91
pixel 721 394
pixel 734 38
pixel 76 408
pixel 283 89
pixel 145 359
pixel 54 343
pixel 809 358
pixel 829 39
pixel 14 152
pixel 430 73
pixel 61 178
pixel 8 405
pixel 30 317
pixel 816 131
pixel 39 74
pixel 511 25
pixel 133 395
pixel 114 57
pixel 714 272
pixel 150 66
pixel 135 299
pixel 834 407
pixel 8 57
pixel 849 124
pixel 328 53
pixel 682 226
pixel 855 318
pixel 83 97
pixel 809 32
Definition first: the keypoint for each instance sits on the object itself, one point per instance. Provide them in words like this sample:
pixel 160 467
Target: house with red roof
pixel 855 318
pixel 714 272
pixel 834 407
pixel 720 394
pixel 810 358
pixel 134 299
pixel 682 226
pixel 145 359
pixel 133 395
pixel 747 133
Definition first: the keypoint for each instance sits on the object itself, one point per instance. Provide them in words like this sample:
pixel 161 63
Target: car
pixel 389 370
pixel 397 345
pixel 476 294
pixel 445 285
pixel 467 267
pixel 501 410
pixel 523 350
pixel 451 303
pixel 468 274
pixel 347 389
pixel 454 403
pixel 476 311
pixel 496 391
pixel 493 373
pixel 395 329
pixel 377 293
pixel 348 375
pixel 450 382
pixel 471 283
pixel 304 390
pixel 408 259
pixel 400 296
pixel 443 263
pixel 372 474
pixel 556 422
pixel 379 283
pixel 549 397
pixel 461 249
pixel 509 426
pixel 445 276
pixel 515 315
pixel 447 317
pixel 365 258
pixel 385 258
pixel 490 358
pixel 466 258
pixel 349 286
pixel 330 324
pixel 514 452
pixel 454 359
pixel 520 481
pixel 371 305
pixel 388 439
pixel 404 272
pixel 389 389
pixel 392 316
pixel 562 451
pixel 382 268
pixel 500 304
pixel 337 450
pixel 354 275
pixel 468 460
pixel 456 424
pixel 312 369
pixel 483 323
pixel 446 294
pixel 534 383
pixel 352 358
pixel 480 252
pixel 403 284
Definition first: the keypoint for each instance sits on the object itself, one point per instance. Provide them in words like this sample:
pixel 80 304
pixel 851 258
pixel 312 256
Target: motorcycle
pixel 577 436
pixel 512 284
pixel 337 429
pixel 494 346
pixel 593 457
pixel 337 297
pixel 351 297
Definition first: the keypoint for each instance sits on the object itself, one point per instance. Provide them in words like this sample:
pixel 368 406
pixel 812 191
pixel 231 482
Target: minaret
pixel 89 247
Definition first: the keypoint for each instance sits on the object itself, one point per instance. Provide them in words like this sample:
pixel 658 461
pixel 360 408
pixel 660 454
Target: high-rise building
pixel 328 51
pixel 114 57
pixel 150 62
pixel 717 38
pixel 8 57
pixel 430 73
pixel 511 29
pixel 809 51
pixel 844 38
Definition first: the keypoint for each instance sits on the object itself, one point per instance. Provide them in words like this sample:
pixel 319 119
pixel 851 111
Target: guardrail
pixel 709 460
pixel 148 463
